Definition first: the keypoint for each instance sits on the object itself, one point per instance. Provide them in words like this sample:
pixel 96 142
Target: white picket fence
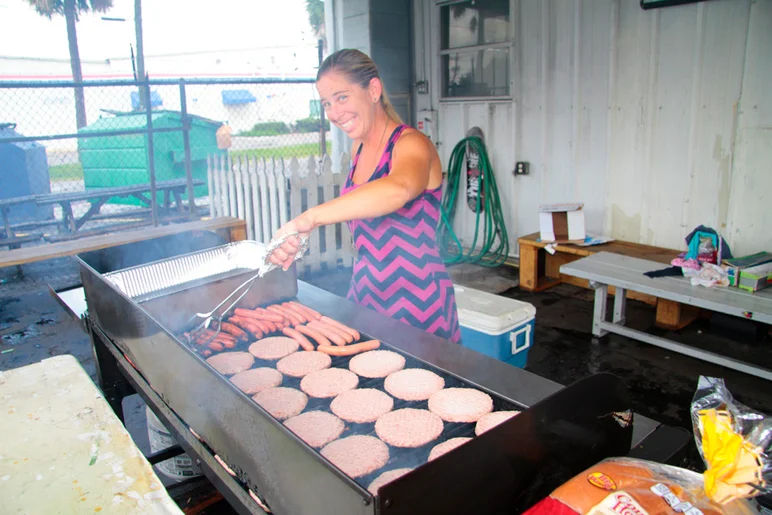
pixel 266 193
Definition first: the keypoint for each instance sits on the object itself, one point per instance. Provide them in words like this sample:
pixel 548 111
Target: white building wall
pixel 657 120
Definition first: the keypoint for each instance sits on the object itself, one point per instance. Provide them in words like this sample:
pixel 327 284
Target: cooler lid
pixel 490 313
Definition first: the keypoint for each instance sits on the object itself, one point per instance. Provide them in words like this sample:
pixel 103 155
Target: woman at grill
pixel 391 202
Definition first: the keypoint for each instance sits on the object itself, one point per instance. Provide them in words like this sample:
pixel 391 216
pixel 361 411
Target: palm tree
pixel 71 9
pixel 315 9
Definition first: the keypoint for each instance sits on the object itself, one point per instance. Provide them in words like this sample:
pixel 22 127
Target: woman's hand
pixel 284 256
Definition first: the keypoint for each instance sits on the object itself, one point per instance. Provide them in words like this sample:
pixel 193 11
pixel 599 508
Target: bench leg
pixel 599 315
pixel 620 306
pixel 529 267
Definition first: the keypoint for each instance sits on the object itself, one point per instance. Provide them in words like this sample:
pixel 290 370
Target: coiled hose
pixel 493 248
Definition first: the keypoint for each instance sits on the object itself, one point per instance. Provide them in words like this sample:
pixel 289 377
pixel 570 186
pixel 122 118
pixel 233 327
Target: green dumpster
pixel 121 160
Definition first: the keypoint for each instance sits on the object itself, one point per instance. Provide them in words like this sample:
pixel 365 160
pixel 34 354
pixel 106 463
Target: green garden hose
pixel 493 249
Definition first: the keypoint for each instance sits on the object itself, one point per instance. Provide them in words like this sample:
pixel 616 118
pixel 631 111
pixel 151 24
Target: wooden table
pixel 605 269
pixel 63 449
pixel 541 270
pixel 230 228
pixel 97 197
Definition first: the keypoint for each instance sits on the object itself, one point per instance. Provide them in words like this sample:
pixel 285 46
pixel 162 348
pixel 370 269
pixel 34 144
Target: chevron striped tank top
pixel 398 270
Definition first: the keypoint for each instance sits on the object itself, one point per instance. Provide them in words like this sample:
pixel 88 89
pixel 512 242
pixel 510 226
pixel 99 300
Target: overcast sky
pixel 170 27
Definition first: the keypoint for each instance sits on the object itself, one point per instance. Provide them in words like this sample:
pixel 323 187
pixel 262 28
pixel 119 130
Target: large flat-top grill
pixel 140 310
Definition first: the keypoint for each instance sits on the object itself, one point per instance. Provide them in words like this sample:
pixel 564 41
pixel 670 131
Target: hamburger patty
pixel 413 384
pixel 408 427
pixel 357 455
pixel 361 405
pixel 316 428
pixel 229 363
pixel 282 402
pixel 447 446
pixel 460 404
pixel 329 382
pixel 386 477
pixel 273 347
pixel 256 380
pixel 304 362
pixel 492 419
pixel 376 363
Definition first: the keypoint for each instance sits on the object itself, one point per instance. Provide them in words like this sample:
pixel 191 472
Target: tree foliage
pixel 315 10
pixel 49 8
pixel 71 10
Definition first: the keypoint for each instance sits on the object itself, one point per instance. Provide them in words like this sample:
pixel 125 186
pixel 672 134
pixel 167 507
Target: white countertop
pixel 63 450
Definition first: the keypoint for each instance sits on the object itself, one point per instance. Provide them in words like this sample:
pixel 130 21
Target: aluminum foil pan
pixel 170 275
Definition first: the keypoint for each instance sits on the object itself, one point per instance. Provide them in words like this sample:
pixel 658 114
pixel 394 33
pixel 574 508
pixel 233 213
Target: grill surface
pixel 399 457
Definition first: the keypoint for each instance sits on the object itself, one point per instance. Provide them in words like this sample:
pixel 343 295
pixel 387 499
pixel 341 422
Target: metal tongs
pixel 263 269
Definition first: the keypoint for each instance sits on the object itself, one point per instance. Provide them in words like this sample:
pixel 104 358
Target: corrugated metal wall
pixel 657 120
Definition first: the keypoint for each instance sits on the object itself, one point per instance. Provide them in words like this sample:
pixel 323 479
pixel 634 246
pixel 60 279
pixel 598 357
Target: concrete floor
pixel 33 326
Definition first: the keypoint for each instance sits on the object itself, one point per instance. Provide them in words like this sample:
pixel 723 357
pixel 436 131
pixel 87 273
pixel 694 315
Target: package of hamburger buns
pixel 735 443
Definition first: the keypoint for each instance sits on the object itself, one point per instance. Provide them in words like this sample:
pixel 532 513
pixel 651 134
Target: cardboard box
pixel 562 223
pixel 755 278
pixel 735 266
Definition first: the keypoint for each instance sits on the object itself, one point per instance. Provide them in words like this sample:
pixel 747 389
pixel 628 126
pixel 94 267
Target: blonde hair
pixel 359 69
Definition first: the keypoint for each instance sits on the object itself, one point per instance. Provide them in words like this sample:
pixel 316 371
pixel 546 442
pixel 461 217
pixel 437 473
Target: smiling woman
pixel 391 201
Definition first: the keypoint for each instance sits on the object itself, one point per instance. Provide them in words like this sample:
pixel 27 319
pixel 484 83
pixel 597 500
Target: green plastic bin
pixel 121 160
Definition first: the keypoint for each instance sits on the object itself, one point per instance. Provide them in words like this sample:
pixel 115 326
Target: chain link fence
pixel 141 157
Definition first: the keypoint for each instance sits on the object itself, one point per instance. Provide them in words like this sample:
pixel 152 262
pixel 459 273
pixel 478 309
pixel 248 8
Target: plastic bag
pixel 709 276
pixel 635 487
pixel 735 442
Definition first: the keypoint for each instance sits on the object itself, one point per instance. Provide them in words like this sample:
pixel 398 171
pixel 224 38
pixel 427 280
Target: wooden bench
pixel 232 229
pixel 16 242
pixel 625 273
pixel 541 270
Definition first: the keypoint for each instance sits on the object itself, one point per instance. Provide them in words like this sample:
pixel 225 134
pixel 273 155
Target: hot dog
pixel 313 333
pixel 310 312
pixel 297 311
pixel 353 332
pixel 349 350
pixel 298 337
pixel 258 314
pixel 209 334
pixel 216 345
pixel 286 313
pixel 348 337
pixel 270 315
pixel 330 334
pixel 249 324
pixel 234 331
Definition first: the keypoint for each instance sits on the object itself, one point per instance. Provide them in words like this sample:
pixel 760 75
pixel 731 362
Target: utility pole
pixel 140 52
pixel 322 131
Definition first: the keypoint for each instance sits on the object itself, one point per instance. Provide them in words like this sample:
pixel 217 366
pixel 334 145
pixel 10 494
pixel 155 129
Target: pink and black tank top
pixel 398 270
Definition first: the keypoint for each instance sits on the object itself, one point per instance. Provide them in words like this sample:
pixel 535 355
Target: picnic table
pixel 11 239
pixel 97 197
pixel 606 269
pixel 172 191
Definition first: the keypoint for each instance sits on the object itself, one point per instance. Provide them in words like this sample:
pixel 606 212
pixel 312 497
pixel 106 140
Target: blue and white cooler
pixel 496 326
